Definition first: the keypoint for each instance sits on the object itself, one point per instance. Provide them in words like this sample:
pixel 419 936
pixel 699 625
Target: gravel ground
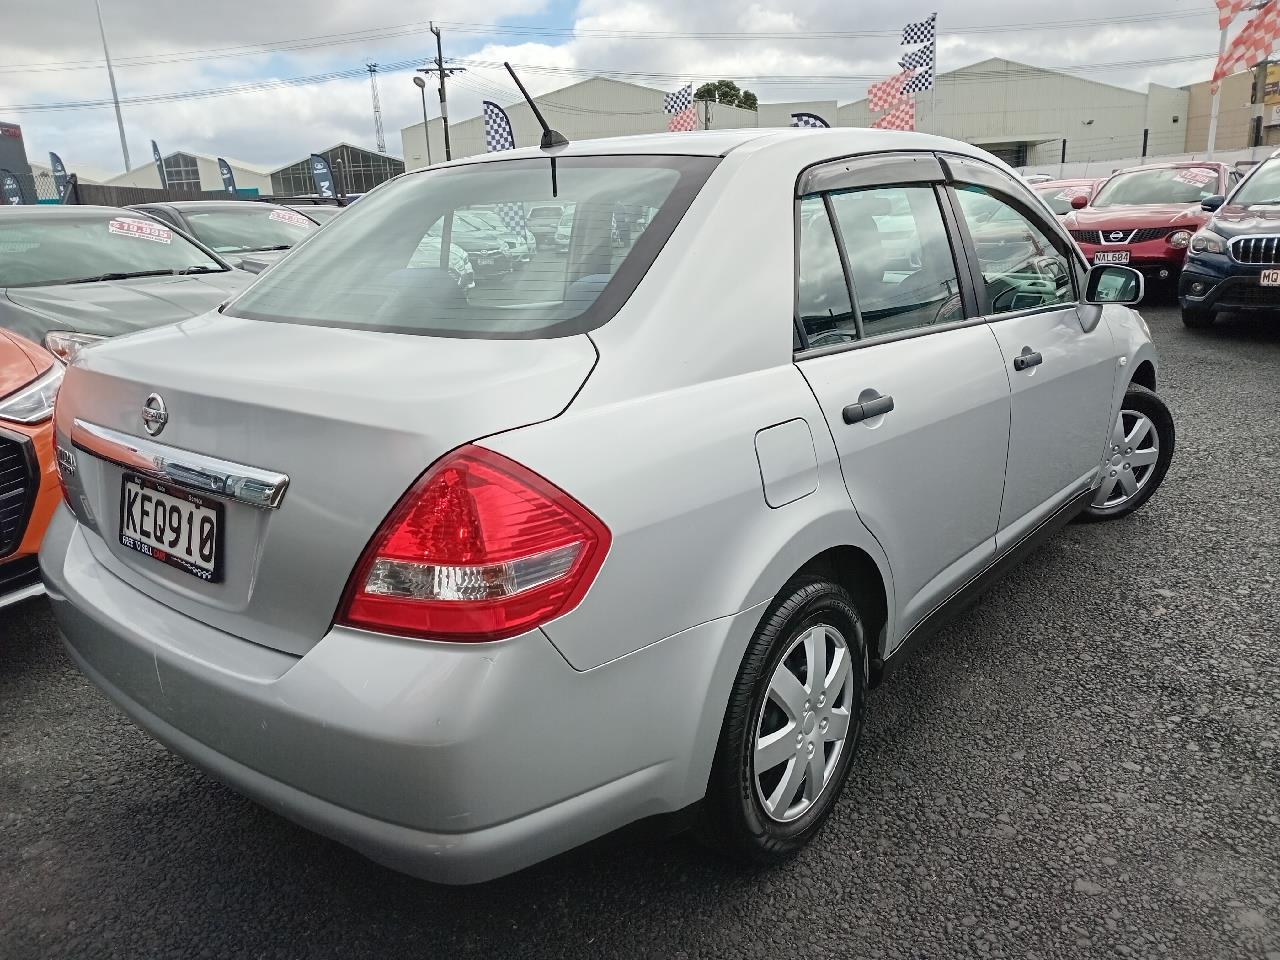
pixel 1085 765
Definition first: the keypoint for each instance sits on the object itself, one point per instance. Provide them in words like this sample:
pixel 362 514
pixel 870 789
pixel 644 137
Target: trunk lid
pixel 351 417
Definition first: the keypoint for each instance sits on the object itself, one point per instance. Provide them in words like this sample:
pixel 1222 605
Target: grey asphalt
pixel 1087 764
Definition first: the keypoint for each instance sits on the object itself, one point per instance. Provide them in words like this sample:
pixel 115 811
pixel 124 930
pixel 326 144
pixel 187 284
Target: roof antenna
pixel 550 138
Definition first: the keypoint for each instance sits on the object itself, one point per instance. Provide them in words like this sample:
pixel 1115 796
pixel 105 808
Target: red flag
pixel 883 95
pixel 1227 10
pixel 901 117
pixel 1252 44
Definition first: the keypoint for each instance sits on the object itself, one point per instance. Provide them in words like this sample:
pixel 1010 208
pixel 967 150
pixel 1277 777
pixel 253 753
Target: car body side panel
pixel 1132 344
pixel 1059 408
pixel 927 476
pixel 676 480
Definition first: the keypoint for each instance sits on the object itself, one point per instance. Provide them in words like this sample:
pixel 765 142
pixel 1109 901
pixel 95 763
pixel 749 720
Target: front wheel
pixel 1197 318
pixel 792 725
pixel 1138 456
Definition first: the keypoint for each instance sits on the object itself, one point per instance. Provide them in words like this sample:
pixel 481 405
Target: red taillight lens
pixel 480 548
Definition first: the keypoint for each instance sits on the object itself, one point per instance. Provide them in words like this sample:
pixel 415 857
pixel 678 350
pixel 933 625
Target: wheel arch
pixel 857 571
pixel 1145 375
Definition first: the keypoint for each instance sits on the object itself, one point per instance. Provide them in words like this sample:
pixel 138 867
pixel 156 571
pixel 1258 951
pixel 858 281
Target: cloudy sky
pixel 51 56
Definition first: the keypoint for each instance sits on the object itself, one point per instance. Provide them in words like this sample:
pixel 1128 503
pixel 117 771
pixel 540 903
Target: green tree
pixel 728 93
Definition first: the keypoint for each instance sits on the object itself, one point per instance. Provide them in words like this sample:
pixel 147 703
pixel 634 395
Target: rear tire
pixel 1139 453
pixel 780 766
pixel 1197 318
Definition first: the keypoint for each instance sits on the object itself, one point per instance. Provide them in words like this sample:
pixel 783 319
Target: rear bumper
pixel 452 762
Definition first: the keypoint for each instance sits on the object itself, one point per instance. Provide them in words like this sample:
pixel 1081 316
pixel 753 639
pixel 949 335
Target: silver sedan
pixel 467 577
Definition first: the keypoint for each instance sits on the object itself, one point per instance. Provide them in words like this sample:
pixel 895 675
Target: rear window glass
pixel 448 252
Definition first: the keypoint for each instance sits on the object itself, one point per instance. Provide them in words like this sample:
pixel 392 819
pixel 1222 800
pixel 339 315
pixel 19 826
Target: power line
pixel 395 31
pixel 629 76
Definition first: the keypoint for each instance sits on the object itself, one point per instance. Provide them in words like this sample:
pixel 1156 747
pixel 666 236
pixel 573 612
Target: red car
pixel 1058 194
pixel 1145 216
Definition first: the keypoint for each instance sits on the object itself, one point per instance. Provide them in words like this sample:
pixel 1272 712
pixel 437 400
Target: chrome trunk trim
pixel 223 478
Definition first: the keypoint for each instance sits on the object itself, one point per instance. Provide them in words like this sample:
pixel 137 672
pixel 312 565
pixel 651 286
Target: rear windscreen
pixel 449 252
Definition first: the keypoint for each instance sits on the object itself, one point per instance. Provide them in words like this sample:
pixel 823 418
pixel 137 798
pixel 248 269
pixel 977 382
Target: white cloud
pixel 270 127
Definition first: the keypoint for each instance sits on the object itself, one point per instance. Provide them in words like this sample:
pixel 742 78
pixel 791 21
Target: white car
pixel 466 578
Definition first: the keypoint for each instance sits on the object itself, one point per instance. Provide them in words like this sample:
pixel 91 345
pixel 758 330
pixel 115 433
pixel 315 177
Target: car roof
pixel 56 209
pixel 196 205
pixel 827 144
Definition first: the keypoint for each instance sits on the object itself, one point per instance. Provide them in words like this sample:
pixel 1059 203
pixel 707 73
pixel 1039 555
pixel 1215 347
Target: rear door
pixel 911 382
pixel 1060 360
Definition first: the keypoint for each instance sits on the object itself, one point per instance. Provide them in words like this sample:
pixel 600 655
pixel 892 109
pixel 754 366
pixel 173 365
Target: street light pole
pixel 426 124
pixel 444 104
pixel 111 77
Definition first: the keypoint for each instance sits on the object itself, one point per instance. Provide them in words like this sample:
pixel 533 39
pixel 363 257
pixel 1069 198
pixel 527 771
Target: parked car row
pixel 465 575
pixel 1204 226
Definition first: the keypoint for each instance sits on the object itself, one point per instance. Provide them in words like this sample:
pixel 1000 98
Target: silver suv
pixel 466 577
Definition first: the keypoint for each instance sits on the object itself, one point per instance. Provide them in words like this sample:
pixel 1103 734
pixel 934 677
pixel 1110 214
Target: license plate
pixel 1270 278
pixel 1111 256
pixel 484 261
pixel 173 526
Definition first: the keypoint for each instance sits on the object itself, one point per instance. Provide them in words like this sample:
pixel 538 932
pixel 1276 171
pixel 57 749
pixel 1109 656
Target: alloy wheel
pixel 803 722
pixel 1131 460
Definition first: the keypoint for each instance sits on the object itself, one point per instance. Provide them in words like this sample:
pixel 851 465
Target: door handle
pixel 857 412
pixel 1027 359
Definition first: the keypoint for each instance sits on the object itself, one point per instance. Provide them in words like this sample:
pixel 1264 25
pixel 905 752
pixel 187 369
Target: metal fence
pixel 105 196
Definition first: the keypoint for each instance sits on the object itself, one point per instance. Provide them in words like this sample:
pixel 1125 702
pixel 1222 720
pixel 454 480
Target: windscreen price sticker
pixel 288 216
pixel 129 227
pixel 1196 176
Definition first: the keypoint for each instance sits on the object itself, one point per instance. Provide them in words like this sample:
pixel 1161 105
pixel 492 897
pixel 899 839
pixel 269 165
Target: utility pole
pixel 377 108
pixel 443 72
pixel 111 77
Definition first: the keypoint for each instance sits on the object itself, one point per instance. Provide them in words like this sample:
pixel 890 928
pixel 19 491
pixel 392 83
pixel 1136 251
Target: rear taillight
pixel 480 548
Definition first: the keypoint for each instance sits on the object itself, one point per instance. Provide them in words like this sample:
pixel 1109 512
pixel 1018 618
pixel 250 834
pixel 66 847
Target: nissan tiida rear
pixel 319 576
pixel 465 575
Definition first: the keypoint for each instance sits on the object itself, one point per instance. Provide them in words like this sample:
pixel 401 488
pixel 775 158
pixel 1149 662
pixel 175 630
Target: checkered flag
pixel 498 136
pixel 920 61
pixel 808 120
pixel 920 32
pixel 901 117
pixel 1228 9
pixel 883 95
pixel 680 100
pixel 1252 44
pixel 683 114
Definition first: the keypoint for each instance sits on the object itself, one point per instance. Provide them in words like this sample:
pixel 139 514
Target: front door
pixel 914 392
pixel 1061 370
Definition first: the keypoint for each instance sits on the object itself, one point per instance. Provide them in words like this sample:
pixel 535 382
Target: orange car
pixel 29 490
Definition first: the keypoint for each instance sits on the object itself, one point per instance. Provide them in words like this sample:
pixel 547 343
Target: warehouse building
pixel 194 171
pixel 355 169
pixel 1022 113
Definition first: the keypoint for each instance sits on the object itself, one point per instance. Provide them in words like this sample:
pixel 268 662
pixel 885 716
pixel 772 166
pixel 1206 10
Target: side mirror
pixel 1211 204
pixel 1079 201
pixel 1109 283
